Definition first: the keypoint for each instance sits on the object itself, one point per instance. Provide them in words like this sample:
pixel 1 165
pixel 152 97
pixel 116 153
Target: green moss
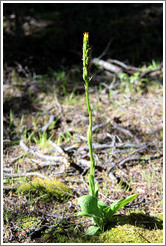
pixel 46 187
pixel 28 222
pixel 133 228
pixel 131 234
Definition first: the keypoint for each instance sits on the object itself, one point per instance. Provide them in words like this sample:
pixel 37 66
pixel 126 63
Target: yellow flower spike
pixel 86 52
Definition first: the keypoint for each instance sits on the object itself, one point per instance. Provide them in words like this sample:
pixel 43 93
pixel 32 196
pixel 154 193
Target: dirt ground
pixel 128 151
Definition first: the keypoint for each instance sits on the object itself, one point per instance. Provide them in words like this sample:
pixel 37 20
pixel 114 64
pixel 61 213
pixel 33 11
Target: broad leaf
pixel 115 206
pixel 92 230
pixel 102 204
pixel 86 214
pixel 88 205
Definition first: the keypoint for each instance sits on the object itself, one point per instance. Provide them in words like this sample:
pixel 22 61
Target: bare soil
pixel 127 125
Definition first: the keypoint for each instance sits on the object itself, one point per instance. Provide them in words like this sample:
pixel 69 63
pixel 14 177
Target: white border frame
pixel 2 117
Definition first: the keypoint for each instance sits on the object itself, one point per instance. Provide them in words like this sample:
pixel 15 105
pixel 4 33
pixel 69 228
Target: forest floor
pixel 45 137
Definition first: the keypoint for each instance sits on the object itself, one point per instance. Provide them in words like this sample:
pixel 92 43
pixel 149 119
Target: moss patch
pixel 27 222
pixel 46 187
pixel 131 234
pixel 132 228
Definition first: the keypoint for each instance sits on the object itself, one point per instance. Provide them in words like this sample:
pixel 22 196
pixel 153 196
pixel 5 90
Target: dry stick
pixel 57 147
pixel 135 204
pixel 100 125
pixel 108 146
pixel 41 165
pixel 77 223
pixel 123 65
pixel 106 49
pixel 141 234
pixel 150 71
pixel 59 106
pixel 46 157
pixel 41 156
pixel 136 231
pixel 126 131
pixel 152 157
pixel 17 158
pixel 106 65
pixel 16 175
pixel 7 170
pixel 51 119
pixel 132 153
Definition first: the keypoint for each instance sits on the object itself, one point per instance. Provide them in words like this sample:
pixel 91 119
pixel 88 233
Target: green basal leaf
pixel 115 206
pixel 88 205
pixel 102 204
pixel 92 230
pixel 86 214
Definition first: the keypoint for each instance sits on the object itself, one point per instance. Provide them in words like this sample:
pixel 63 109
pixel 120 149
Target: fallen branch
pixel 108 146
pixel 41 156
pixel 59 106
pixel 41 165
pixel 16 175
pixel 123 65
pixel 106 65
pixel 57 147
pixel 51 119
pixel 132 153
pixel 106 49
pixel 152 157
pixel 150 71
pixel 100 125
pixel 126 132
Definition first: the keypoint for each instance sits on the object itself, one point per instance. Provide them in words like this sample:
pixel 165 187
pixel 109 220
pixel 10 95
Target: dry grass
pixel 140 114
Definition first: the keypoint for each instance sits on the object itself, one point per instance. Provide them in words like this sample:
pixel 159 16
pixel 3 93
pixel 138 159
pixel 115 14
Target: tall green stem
pixel 92 166
pixel 87 79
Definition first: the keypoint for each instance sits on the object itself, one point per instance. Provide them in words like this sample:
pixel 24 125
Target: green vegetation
pixel 46 188
pixel 91 207
pixel 130 228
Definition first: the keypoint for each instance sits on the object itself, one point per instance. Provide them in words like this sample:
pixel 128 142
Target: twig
pixel 7 170
pixel 136 231
pixel 108 146
pixel 58 148
pixel 121 162
pixel 134 204
pixel 106 65
pixel 15 175
pixel 123 65
pixel 105 50
pixel 21 69
pixel 100 125
pixel 152 157
pixel 71 181
pixel 59 106
pixel 141 234
pixel 41 156
pixel 51 119
pixel 41 165
pixel 126 131
pixel 17 158
pixel 111 85
pixel 150 71
pixel 77 223
pixel 130 145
